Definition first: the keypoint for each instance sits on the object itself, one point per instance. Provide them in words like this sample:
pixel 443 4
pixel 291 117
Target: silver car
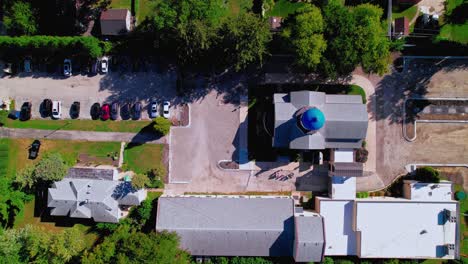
pixel 67 67
pixel 153 110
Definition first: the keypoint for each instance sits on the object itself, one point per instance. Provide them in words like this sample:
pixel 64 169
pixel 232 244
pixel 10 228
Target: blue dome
pixel 313 119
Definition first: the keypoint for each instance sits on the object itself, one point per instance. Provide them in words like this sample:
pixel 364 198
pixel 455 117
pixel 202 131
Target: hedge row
pixel 49 45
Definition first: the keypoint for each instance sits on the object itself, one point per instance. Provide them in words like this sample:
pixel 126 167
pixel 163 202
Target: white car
pixel 166 106
pixel 104 64
pixel 56 109
pixel 67 67
pixel 153 110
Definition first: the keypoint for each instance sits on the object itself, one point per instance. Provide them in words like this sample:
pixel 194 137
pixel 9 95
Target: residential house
pixel 115 22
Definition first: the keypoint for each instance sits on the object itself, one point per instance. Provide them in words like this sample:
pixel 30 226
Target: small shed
pixel 401 26
pixel 115 22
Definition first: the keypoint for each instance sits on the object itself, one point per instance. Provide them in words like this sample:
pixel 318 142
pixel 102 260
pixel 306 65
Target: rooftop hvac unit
pixel 451 216
pixel 450 249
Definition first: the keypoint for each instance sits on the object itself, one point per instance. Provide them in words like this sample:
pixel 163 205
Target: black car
pixel 114 112
pixel 136 111
pixel 34 149
pixel 46 108
pixel 95 111
pixel 25 113
pixel 75 110
pixel 125 111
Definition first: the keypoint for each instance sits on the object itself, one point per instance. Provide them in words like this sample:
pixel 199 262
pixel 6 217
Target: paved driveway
pixel 196 150
pixel 129 87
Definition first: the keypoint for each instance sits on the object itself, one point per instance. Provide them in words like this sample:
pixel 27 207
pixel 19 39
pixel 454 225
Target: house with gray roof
pixel 102 200
pixel 315 120
pixel 242 226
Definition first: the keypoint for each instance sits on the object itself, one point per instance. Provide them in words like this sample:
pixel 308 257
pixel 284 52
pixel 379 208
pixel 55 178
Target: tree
pixel 244 40
pixel 162 125
pixel 427 174
pixel 126 245
pixel 20 20
pixel 304 32
pixel 139 181
pixel 370 40
pixel 48 169
pixel 11 202
pixel 157 175
pixel 35 245
pixel 341 57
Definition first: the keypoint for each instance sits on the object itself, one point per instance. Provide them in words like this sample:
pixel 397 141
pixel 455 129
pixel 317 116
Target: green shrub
pixel 139 181
pixel 427 174
pixel 162 125
pixel 362 195
pixel 156 176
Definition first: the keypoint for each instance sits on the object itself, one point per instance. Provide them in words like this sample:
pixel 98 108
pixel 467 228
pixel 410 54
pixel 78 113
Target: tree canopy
pixel 126 245
pixel 50 168
pixel 162 125
pixel 36 245
pixel 304 33
pixel 19 19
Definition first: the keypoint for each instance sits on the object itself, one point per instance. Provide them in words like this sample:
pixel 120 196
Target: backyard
pixel 456 26
pixel 143 158
pixel 142 7
pixel 283 8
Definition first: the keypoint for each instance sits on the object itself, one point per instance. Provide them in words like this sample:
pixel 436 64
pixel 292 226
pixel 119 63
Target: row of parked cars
pixel 104 112
pixel 102 64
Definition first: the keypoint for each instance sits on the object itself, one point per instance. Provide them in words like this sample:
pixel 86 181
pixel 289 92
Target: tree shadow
pixel 393 90
pixel 145 135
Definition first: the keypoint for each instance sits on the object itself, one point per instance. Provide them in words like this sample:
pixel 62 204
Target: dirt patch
pixel 165 161
pixel 457 175
pixel 437 110
pixel 229 165
pixel 181 118
pixel 87 160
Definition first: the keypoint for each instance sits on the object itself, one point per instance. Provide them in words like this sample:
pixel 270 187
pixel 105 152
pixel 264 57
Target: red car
pixel 105 112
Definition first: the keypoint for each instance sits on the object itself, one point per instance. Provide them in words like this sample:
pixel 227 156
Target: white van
pixel 56 109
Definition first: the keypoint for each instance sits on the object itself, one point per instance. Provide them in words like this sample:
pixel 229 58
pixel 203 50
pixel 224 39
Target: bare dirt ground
pixel 436 143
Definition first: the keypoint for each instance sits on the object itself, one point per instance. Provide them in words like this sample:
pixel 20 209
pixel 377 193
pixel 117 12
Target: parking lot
pixel 436 142
pixel 112 87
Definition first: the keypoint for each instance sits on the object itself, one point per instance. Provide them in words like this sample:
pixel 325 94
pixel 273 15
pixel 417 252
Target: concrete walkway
pixel 82 135
pixel 372 182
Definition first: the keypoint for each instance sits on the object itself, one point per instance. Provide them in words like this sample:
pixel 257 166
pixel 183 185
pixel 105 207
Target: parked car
pixel 46 108
pixel 27 65
pixel 94 66
pixel 67 67
pixel 34 149
pixel 136 111
pixel 125 111
pixel 56 109
pixel 166 106
pixel 75 110
pixel 25 113
pixel 153 110
pixel 105 112
pixel 104 64
pixel 114 112
pixel 95 111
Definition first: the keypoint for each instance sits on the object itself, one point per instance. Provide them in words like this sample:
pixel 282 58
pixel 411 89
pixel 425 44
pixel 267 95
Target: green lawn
pixel 18 152
pixel 283 8
pixel 357 90
pixel 26 217
pixel 454 32
pixel 121 4
pixel 83 125
pixel 463 222
pixel 145 8
pixel 142 158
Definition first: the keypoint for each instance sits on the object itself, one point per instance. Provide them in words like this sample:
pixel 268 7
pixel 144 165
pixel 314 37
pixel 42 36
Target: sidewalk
pixel 82 135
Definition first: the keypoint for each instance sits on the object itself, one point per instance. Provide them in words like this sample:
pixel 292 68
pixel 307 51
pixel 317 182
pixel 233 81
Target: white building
pixel 422 225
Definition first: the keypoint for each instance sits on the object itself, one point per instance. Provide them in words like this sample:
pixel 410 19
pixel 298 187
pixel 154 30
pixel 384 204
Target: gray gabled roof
pixel 235 226
pixel 97 199
pixel 345 126
pixel 309 243
pixel 92 173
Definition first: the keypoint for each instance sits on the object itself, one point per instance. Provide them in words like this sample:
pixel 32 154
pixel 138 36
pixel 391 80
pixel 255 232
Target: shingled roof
pixel 97 199
pixel 345 125
pixel 233 226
